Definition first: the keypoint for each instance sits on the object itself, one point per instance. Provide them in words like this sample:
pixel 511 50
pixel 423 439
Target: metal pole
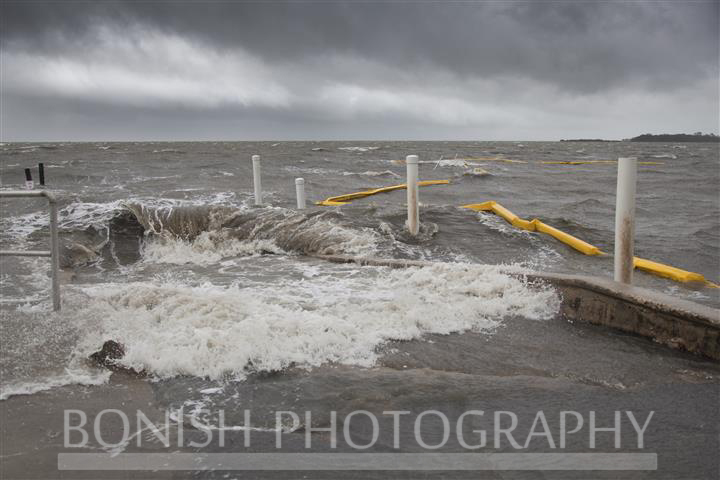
pixel 625 219
pixel 300 193
pixel 412 194
pixel 41 173
pixel 256 179
pixel 55 254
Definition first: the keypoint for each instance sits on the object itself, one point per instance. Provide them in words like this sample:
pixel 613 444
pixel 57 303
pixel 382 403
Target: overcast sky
pixel 535 70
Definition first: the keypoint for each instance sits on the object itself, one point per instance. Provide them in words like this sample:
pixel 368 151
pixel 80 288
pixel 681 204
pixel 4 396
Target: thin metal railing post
pixel 55 254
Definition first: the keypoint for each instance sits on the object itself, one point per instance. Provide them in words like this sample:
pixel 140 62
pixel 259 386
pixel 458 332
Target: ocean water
pixel 164 251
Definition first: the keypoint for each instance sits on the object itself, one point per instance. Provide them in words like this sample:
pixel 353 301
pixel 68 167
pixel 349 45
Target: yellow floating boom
pixel 669 272
pixel 588 162
pixel 536 225
pixel 344 199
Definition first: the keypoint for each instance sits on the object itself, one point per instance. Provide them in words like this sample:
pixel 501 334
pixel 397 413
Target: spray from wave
pixel 207 234
pixel 202 233
pixel 170 328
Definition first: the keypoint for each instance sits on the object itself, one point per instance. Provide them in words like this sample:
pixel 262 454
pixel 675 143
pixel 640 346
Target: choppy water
pixel 169 256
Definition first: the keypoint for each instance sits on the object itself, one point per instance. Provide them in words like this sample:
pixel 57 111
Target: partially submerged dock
pixel 670 321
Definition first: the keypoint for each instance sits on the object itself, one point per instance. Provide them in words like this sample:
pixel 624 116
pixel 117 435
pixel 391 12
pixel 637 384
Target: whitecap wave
pixel 371 173
pixel 171 329
pixel 206 249
pixel 358 149
pixel 70 377
pixel 168 150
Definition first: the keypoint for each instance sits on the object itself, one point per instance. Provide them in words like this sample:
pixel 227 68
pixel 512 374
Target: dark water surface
pixel 164 251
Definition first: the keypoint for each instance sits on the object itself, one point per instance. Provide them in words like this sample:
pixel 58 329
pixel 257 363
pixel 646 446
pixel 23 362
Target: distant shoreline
pixel 663 137
pixel 587 140
pixel 677 137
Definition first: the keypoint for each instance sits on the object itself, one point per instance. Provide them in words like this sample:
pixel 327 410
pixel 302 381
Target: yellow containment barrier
pixel 536 225
pixel 670 272
pixel 568 239
pixel 347 198
pixel 589 162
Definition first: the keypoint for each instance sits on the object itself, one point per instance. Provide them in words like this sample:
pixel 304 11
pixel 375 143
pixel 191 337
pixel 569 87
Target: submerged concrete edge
pixel 676 323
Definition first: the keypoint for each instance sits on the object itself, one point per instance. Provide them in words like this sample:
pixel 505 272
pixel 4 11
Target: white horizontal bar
pixel 21 193
pixel 25 253
pixel 28 193
pixel 358 461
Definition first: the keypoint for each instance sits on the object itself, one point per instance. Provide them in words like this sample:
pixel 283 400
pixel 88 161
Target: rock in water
pixel 109 354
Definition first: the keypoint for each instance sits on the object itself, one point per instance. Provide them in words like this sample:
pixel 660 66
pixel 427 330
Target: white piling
pixel 300 193
pixel 413 208
pixel 256 179
pixel 625 219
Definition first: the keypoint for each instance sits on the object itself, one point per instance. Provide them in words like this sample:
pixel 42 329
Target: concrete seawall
pixel 667 320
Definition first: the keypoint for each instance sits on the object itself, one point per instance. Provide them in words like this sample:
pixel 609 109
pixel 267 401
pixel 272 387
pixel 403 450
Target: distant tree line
pixel 587 140
pixel 677 137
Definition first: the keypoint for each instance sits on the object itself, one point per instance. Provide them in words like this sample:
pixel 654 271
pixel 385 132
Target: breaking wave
pixel 171 328
pixel 207 234
pixel 370 173
pixel 165 232
pixel 358 149
pixel 204 234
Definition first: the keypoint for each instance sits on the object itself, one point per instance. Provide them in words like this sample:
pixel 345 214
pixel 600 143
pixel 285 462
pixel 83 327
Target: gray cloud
pixel 381 69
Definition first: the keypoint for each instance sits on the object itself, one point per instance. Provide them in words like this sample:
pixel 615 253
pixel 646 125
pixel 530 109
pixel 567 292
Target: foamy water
pixel 328 315
pixel 164 251
pixel 173 329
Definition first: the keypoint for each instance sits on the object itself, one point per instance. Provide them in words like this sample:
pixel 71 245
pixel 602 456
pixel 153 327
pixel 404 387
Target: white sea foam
pixel 206 249
pixel 358 149
pixel 168 150
pixel 665 155
pixel 370 173
pixel 80 215
pixel 70 377
pixel 315 235
pixel 169 328
pixel 457 162
pixel 315 171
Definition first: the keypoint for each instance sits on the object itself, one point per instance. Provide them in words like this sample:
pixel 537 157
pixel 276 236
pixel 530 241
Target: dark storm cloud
pixel 530 70
pixel 579 45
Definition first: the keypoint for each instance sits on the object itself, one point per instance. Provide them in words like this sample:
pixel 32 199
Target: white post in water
pixel 256 179
pixel 300 193
pixel 625 219
pixel 412 194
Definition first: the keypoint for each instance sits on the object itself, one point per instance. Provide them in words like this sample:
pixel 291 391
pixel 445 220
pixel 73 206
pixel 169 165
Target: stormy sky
pixel 254 70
